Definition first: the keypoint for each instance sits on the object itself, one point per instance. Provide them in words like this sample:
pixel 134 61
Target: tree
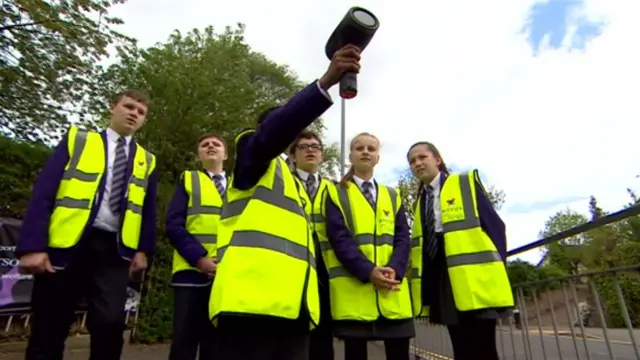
pixel 567 254
pixel 48 52
pixel 198 82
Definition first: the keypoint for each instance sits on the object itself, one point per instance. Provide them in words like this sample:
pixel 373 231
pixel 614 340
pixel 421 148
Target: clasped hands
pixel 207 266
pixel 384 278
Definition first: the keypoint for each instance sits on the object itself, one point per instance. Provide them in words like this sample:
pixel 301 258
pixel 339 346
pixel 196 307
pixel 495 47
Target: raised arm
pixel 276 132
pixel 254 151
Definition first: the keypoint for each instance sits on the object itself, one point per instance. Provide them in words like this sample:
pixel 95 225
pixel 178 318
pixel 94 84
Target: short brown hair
pixel 137 95
pixel 210 135
pixel 304 135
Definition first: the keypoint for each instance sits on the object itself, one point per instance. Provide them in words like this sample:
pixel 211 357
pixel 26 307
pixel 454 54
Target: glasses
pixel 309 147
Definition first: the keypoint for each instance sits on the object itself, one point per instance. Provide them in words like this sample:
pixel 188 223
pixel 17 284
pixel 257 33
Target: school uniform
pixel 97 266
pixel 472 333
pixel 193 332
pixel 258 336
pixel 395 333
pixel 321 341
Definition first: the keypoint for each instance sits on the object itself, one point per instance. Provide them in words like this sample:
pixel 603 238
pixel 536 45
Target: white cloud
pixel 460 74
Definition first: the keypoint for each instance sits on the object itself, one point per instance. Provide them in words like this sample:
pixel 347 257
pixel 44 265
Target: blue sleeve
pixel 34 233
pixel 490 221
pixel 401 245
pixel 186 244
pixel 148 232
pixel 275 134
pixel 344 245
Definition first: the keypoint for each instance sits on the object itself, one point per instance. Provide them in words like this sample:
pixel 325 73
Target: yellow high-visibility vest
pixel 316 210
pixel 203 215
pixel 373 230
pixel 477 271
pixel 79 186
pixel 266 255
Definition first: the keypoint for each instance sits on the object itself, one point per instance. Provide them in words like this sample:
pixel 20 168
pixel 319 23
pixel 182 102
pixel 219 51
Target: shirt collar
pixel 304 175
pixel 211 175
pixel 435 183
pixel 360 181
pixel 113 136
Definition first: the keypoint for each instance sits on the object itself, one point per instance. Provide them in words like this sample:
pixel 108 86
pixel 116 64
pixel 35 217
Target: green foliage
pixel 198 82
pixel 48 54
pixel 21 162
pixel 612 246
pixel 521 272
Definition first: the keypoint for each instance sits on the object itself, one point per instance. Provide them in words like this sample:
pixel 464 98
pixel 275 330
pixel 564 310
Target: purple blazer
pixel 352 258
pixel 186 244
pixel 34 235
pixel 275 134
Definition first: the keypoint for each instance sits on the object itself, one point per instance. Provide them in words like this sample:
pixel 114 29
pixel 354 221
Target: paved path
pixel 544 347
pixel 161 352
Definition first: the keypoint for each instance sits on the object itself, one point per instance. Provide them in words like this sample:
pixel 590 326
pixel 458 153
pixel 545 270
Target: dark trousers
pixel 98 273
pixel 191 325
pixel 474 339
pixel 262 338
pixel 321 341
pixel 394 349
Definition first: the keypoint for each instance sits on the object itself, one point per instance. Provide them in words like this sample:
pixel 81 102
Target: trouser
pixel 262 338
pixel 394 349
pixel 321 339
pixel 191 325
pixel 474 339
pixel 96 272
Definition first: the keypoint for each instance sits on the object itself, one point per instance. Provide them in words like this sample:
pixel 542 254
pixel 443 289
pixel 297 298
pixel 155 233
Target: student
pixel 306 156
pixel 192 228
pixel 90 225
pixel 367 228
pixel 265 297
pixel 458 255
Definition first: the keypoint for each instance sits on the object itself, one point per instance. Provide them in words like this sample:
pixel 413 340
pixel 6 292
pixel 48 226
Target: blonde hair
pixel 349 175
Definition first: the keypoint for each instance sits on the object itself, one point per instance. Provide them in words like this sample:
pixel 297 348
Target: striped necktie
pixel 367 188
pixel 311 186
pixel 429 223
pixel 118 177
pixel 217 180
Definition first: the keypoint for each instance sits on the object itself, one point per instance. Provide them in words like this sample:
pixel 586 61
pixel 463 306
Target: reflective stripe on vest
pixel 316 211
pixel 203 215
pixel 373 230
pixel 79 186
pixel 266 256
pixel 477 272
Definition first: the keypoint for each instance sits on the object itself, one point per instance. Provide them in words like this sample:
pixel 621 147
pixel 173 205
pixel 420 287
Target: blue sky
pixel 553 23
pixel 539 96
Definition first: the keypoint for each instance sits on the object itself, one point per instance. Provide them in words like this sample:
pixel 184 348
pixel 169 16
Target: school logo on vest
pixel 140 163
pixel 386 213
pixel 451 201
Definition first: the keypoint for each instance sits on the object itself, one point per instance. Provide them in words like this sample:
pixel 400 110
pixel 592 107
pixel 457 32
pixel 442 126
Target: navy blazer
pixel 352 258
pixel 275 134
pixel 185 244
pixel 490 221
pixel 34 235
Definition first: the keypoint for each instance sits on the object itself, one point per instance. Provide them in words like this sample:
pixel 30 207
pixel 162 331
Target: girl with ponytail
pixel 368 231
pixel 472 332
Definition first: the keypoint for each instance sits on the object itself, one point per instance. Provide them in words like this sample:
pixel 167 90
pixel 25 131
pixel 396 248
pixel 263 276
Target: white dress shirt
pixel 435 184
pixel 105 219
pixel 223 181
pixel 304 175
pixel 374 187
pixel 326 94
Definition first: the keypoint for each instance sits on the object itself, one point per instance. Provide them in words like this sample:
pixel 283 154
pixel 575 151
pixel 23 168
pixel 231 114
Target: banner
pixel 15 288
